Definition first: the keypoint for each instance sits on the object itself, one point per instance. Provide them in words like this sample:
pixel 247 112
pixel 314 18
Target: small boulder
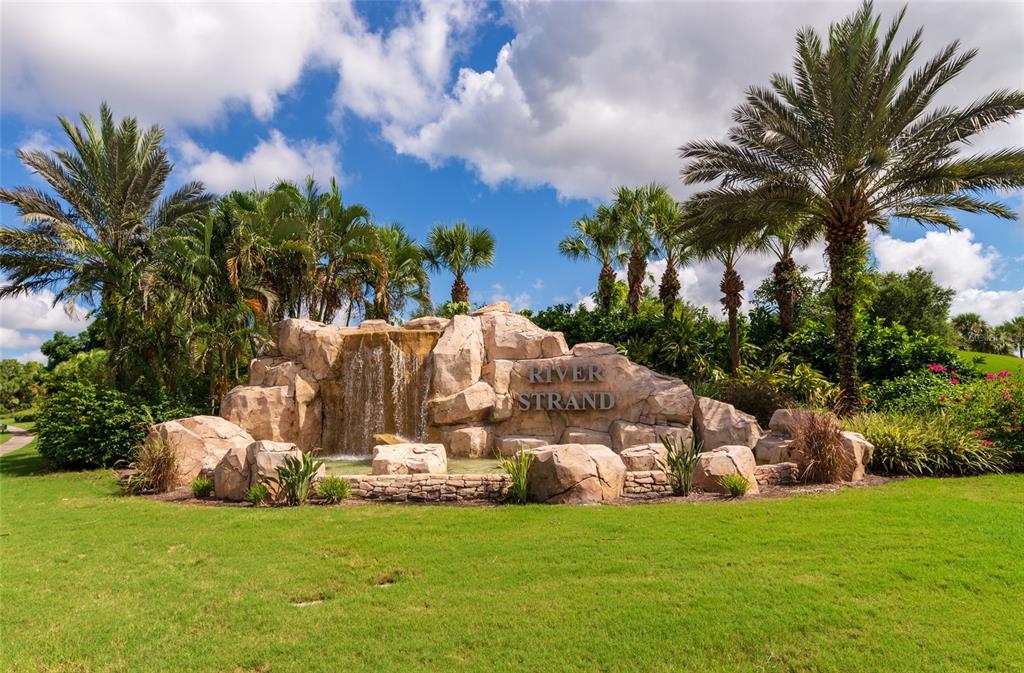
pixel 198 443
pixel 575 474
pixel 264 457
pixel 772 448
pixel 857 451
pixel 625 434
pixel 469 442
pixel 724 460
pixel 510 446
pixel 410 458
pixel 593 348
pixel 231 476
pixel 721 424
pixel 427 322
pixel 786 421
pixel 585 436
pixel 651 456
pixel 496 307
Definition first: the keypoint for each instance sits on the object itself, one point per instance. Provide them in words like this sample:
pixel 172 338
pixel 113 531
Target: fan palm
pixel 460 250
pixel 850 142
pixel 630 214
pixel 597 237
pixel 91 242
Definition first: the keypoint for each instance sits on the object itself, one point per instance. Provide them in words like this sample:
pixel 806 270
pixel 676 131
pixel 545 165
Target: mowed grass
pixel 916 576
pixel 993 364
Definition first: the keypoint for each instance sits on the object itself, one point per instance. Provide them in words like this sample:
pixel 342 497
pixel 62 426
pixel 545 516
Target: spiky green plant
pixel 294 479
pixel 518 468
pixel 680 460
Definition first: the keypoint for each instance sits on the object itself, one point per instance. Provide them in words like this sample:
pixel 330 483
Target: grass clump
pixel 333 489
pixel 257 495
pixel 818 436
pixel 735 484
pixel 518 468
pixel 294 479
pixel 155 470
pixel 680 462
pixel 202 487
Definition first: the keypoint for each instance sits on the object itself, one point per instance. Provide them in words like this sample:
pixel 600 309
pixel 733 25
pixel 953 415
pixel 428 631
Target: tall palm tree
pixel 785 239
pixel 337 235
pixel 92 240
pixel 597 237
pixel 850 142
pixel 1013 330
pixel 630 213
pixel 664 216
pixel 460 250
pixel 396 271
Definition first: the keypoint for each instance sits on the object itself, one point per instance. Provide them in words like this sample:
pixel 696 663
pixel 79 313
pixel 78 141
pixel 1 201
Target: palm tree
pixel 337 235
pixel 460 250
pixel 785 240
pixel 92 241
pixel 395 271
pixel 664 216
pixel 974 332
pixel 597 237
pixel 630 214
pixel 850 142
pixel 1013 331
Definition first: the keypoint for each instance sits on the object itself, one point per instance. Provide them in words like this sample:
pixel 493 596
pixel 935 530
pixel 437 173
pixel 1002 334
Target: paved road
pixel 19 438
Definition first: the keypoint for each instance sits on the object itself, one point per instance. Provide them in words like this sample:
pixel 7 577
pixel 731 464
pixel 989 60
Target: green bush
pixel 294 479
pixel 83 425
pixel 518 468
pixel 926 444
pixel 202 487
pixel 25 416
pixel 333 489
pixel 257 495
pixel 679 463
pixel 735 484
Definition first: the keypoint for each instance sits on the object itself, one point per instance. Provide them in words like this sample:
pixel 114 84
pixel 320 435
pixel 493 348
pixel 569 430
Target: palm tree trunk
pixel 669 288
pixel 460 291
pixel 785 275
pixel 635 276
pixel 732 288
pixel 845 258
pixel 605 287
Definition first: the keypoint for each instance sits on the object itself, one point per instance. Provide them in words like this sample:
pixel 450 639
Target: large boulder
pixel 198 443
pixel 231 476
pixel 410 458
pixel 786 421
pixel 288 335
pixel 721 424
pixel 510 336
pixel 458 357
pixel 265 412
pixel 575 474
pixel 625 434
pixel 510 446
pixel 712 465
pixel 467 406
pixel 653 456
pixel 772 448
pixel 857 452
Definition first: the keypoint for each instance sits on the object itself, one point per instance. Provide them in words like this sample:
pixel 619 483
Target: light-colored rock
pixel 785 421
pixel 575 474
pixel 198 443
pixel 265 412
pixel 258 368
pixel 857 451
pixel 712 465
pixel 496 307
pixel 721 424
pixel 593 348
pixel 467 406
pixel 458 356
pixel 322 349
pixel 510 446
pixel 772 448
pixel 625 434
pixel 653 456
pixel 504 406
pixel 469 442
pixel 411 458
pixel 386 438
pixel 288 335
pixel 305 390
pixel 264 457
pixel 585 436
pixel 231 476
pixel 427 322
pixel 513 337
pixel 374 326
pixel 498 373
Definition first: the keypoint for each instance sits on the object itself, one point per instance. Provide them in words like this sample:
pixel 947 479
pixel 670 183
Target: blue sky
pixel 516 117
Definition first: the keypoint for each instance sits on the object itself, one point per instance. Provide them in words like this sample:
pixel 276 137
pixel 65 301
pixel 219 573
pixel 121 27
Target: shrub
pixel 735 484
pixel 680 462
pixel 257 495
pixel 294 479
pixel 25 416
pixel 518 468
pixel 154 470
pixel 202 487
pixel 334 489
pixel 817 436
pixel 926 444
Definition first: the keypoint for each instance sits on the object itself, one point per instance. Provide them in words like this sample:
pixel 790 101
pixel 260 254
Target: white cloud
pixel 995 306
pixel 518 302
pixel 955 259
pixel 165 62
pixel 33 356
pixel 272 159
pixel 11 339
pixel 36 140
pixel 538 284
pixel 35 311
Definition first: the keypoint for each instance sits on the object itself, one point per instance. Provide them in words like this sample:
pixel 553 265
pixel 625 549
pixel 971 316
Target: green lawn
pixel 914 576
pixel 993 364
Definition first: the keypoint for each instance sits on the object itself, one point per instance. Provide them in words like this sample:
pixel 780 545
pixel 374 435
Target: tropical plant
pixel 518 468
pixel 154 470
pixel 202 487
pixel 597 237
pixel 459 250
pixel 680 460
pixel 851 141
pixel 257 495
pixel 817 436
pixel 294 480
pixel 630 217
pixel 394 271
pixel 664 216
pixel 333 489
pixel 92 242
pixel 735 484
pixel 1013 332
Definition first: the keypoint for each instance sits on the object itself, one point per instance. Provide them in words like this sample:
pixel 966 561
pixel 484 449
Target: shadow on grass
pixel 25 462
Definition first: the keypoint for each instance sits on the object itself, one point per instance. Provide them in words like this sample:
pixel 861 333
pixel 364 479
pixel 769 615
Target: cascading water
pixel 380 386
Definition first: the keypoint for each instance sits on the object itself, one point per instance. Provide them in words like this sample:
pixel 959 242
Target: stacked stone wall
pixel 646 484
pixel 778 474
pixel 430 487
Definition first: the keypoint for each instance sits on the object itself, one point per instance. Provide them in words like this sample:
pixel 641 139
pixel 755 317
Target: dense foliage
pixel 20 383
